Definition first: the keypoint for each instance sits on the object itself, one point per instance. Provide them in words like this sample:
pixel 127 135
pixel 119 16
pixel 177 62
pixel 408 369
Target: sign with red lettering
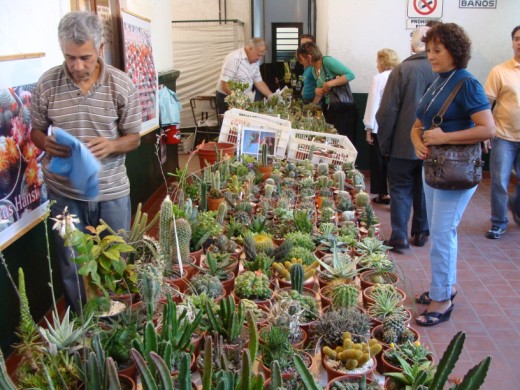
pixel 425 8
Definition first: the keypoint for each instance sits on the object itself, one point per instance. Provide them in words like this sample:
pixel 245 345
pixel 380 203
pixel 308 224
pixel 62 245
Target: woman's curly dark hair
pixel 454 38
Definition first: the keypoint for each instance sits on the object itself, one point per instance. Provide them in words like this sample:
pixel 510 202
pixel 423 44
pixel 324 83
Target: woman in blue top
pixel 327 73
pixel 468 120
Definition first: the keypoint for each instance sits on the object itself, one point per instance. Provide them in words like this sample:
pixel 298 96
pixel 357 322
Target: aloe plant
pixel 342 267
pixel 99 372
pixel 230 318
pixel 163 380
pixel 434 378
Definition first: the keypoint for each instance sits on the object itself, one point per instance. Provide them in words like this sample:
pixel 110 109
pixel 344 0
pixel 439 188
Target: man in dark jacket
pixel 406 85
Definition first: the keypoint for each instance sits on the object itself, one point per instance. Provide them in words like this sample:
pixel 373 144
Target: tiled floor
pixel 487 306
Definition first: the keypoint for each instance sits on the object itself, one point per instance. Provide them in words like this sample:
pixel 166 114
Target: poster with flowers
pixel 22 192
pixel 140 66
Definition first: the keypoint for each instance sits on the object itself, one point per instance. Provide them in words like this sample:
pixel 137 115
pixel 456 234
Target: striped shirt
pixel 237 67
pixel 109 109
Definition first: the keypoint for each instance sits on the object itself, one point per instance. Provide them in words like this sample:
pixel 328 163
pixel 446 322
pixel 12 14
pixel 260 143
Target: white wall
pixel 209 9
pixel 358 29
pixel 31 26
pixel 351 30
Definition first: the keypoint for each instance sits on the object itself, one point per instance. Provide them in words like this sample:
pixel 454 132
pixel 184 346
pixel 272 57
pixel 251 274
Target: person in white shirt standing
pixel 387 59
pixel 242 65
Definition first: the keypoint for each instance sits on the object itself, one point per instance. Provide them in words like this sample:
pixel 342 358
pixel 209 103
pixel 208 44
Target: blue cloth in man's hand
pixel 81 168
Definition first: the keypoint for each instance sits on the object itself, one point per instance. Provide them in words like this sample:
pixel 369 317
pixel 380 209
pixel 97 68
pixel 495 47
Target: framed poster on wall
pixel 23 194
pixel 140 66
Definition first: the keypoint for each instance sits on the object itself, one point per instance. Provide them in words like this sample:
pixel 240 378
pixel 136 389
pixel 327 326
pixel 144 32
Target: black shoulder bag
pixel 452 167
pixel 339 93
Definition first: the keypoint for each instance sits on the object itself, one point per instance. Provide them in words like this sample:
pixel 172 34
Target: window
pixel 285 38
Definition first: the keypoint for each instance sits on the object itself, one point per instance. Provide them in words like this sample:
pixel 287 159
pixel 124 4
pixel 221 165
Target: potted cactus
pixel 253 285
pixel 350 356
pixel 264 168
pixel 208 284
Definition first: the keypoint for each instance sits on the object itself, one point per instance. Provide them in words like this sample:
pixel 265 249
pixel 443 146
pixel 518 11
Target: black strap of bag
pixel 437 119
pixel 452 167
pixel 339 93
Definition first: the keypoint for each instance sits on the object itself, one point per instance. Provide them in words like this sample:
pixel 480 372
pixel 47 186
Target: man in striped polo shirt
pixel 97 104
pixel 242 65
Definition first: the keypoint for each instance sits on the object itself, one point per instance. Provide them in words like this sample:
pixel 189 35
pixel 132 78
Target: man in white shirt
pixel 242 65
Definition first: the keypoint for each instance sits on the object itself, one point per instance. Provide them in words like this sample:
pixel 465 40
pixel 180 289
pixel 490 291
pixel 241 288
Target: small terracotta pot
pixel 265 171
pixel 347 378
pixel 376 333
pixel 197 255
pixel 229 283
pixel 213 203
pixel 298 345
pixel 265 302
pixel 389 367
pixel 365 281
pixel 368 301
pixel 333 373
pixel 267 370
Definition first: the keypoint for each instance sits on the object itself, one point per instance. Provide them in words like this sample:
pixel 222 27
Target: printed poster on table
pixel 140 66
pixel 23 195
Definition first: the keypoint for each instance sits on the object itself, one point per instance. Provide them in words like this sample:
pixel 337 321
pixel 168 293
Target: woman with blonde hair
pixel 387 59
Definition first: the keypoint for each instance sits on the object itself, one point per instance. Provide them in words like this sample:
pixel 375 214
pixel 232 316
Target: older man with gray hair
pixel 406 85
pixel 96 106
pixel 242 65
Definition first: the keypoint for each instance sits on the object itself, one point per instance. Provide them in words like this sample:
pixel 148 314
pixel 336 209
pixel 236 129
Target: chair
pixel 205 116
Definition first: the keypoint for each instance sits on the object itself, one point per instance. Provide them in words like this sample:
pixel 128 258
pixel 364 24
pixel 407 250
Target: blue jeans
pixel 505 155
pixel 406 189
pixel 445 209
pixel 116 213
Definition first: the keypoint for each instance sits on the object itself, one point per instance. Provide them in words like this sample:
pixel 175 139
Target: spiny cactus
pixel 269 190
pixel 339 178
pixel 208 284
pixel 203 201
pixel 182 229
pixel 345 295
pixel 253 285
pixel 221 213
pixel 297 273
pixel 395 330
pixel 165 226
pixel 352 354
pixel 283 268
pixel 362 199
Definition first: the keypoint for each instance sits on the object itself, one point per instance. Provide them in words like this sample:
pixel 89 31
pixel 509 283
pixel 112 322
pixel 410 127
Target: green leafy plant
pixel 412 352
pixel 101 262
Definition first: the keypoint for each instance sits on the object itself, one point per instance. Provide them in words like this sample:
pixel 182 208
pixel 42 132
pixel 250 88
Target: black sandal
pixel 433 318
pixel 381 199
pixel 424 298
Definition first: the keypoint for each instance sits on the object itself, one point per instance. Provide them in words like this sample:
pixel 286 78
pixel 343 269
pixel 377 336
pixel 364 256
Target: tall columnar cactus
pixel 297 272
pixel 339 177
pixel 203 196
pixel 264 155
pixel 165 226
pixel 183 230
pixel 221 213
